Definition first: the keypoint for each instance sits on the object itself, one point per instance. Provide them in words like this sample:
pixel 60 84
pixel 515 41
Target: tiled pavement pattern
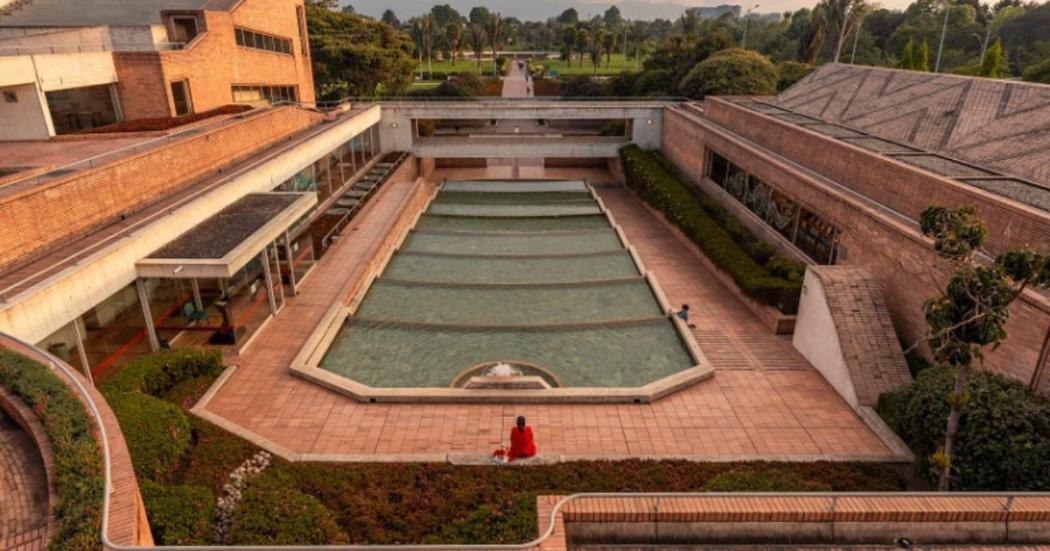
pixel 764 401
pixel 23 488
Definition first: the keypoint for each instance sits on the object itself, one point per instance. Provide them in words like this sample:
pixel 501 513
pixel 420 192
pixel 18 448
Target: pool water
pixel 510 271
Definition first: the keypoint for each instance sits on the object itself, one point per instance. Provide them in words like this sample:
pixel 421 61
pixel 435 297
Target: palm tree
pixel 609 41
pixel 423 34
pixel 637 32
pixel 843 16
pixel 454 38
pixel 583 39
pixel 568 38
pixel 477 38
pixel 494 31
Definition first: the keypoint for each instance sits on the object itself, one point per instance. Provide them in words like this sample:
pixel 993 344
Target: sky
pixel 541 9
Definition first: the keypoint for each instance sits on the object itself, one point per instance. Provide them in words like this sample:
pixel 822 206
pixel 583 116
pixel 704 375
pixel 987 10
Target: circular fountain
pixel 506 375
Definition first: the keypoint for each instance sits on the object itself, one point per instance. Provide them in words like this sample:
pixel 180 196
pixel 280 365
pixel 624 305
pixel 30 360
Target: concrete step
pixel 347 203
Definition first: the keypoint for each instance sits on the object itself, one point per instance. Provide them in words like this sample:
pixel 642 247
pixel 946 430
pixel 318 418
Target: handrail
pixel 68 373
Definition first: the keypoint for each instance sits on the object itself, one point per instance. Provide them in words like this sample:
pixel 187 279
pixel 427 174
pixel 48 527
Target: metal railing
pixel 69 374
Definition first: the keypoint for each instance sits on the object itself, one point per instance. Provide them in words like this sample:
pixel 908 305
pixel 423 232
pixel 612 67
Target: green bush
pixel 763 478
pixel 790 72
pixel 731 72
pixel 655 185
pixel 1004 436
pixel 157 433
pixel 1040 72
pixel 156 374
pixel 274 512
pixel 78 459
pixel 179 515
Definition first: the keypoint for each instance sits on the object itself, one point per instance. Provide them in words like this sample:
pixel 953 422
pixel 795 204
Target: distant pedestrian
pixel 522 444
pixel 683 314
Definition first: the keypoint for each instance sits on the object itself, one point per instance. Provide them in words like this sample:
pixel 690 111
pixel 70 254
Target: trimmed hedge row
pixel 650 179
pixel 179 515
pixel 1004 434
pixel 78 459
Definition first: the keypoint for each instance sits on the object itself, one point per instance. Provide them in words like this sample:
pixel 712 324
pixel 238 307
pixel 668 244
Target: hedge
pixel 156 374
pixel 78 459
pixel 274 512
pixel 660 189
pixel 749 478
pixel 1004 435
pixel 179 515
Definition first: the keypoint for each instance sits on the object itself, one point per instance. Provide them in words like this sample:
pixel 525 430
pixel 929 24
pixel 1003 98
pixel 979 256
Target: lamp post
pixel 747 23
pixel 944 31
pixel 856 37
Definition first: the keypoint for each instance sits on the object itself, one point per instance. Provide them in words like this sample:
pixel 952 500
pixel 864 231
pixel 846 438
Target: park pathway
pixel 516 84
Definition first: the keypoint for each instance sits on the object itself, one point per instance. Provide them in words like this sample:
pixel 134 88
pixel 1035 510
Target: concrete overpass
pixel 396 127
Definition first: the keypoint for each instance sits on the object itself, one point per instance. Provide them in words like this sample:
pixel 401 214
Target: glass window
pixel 718 168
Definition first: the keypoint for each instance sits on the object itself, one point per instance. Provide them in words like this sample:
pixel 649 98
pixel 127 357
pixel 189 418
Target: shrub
pixel 275 512
pixel 654 82
pixel 790 72
pixel 179 515
pixel 667 194
pixel 731 72
pixel 762 478
pixel 1004 435
pixel 157 433
pixel 78 460
pixel 582 87
pixel 156 374
pixel 1040 72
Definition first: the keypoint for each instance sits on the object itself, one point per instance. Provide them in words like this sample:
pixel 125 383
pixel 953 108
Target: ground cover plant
pixel 77 456
pixel 752 264
pixel 411 502
pixel 166 123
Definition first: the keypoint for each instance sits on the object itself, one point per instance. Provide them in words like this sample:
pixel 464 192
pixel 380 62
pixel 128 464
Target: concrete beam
pixel 518 147
pixel 522 110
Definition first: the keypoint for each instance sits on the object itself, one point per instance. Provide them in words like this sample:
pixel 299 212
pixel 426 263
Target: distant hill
pixel 540 10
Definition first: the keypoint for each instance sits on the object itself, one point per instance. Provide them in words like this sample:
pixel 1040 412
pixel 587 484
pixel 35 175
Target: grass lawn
pixel 424 85
pixel 563 68
pixel 461 66
pixel 437 502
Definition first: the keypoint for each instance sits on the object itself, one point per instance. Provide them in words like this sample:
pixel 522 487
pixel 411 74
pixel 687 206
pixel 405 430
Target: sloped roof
pixel 1000 124
pixel 869 344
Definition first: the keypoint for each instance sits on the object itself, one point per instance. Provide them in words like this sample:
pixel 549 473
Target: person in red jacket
pixel 522 444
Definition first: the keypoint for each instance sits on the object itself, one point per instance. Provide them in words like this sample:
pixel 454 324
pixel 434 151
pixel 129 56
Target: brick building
pixel 153 58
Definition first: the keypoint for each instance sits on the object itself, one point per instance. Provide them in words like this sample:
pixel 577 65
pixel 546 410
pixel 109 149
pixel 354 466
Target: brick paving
pixel 764 401
pixel 23 488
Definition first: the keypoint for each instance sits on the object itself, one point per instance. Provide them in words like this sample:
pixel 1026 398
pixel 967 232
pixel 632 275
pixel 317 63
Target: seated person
pixel 522 444
pixel 683 314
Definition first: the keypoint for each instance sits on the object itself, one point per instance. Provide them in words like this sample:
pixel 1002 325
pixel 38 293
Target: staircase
pixel 350 202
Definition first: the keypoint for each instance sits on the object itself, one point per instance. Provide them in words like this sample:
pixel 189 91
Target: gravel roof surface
pixel 221 233
pixel 942 166
pixel 880 145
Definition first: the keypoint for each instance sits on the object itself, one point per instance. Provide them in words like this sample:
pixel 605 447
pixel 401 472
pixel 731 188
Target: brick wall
pixel 58 211
pixel 892 250
pixel 213 62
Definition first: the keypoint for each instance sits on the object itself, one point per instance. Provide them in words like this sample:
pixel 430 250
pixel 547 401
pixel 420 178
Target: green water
pixel 525 271
pixel 509 306
pixel 531 225
pixel 494 270
pixel 515 198
pixel 388 355
pixel 509 245
pixel 534 210
pixel 514 187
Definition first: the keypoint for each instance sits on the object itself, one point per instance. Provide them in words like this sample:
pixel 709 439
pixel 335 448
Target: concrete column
pixel 264 256
pixel 197 301
pixel 288 253
pixel 151 331
pixel 80 349
pixel 647 133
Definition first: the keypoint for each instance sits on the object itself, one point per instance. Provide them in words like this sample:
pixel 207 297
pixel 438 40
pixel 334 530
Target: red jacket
pixel 521 443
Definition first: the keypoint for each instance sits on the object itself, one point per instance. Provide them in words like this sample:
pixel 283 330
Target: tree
pixel 790 72
pixel 583 41
pixel 907 60
pixel 1039 72
pixel 354 56
pixel 569 17
pixel 454 39
pixel 423 35
pixel 348 9
pixel 494 32
pixel 609 42
pixel 841 17
pixel 479 15
pixel 637 34
pixel 443 14
pixel 568 40
pixel 735 72
pixel 390 18
pixel 972 311
pixel 477 39
pixel 612 18
pixel 992 65
pixel 922 58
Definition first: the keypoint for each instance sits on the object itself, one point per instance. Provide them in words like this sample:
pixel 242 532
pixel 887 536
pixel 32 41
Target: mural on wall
pixel 805 230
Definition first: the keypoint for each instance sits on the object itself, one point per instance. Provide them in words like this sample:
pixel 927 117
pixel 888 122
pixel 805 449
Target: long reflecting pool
pixel 526 272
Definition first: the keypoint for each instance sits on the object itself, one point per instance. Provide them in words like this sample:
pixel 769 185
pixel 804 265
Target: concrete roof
pixel 999 124
pixel 84 13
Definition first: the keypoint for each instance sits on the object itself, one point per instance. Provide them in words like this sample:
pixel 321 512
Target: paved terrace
pixel 764 402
